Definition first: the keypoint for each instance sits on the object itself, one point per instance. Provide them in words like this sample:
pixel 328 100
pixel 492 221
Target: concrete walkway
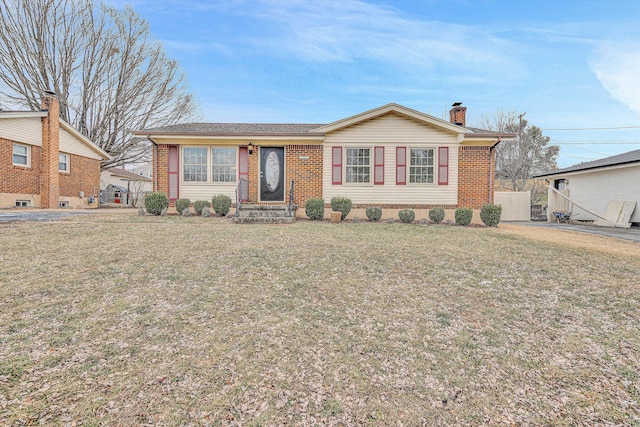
pixel 632 233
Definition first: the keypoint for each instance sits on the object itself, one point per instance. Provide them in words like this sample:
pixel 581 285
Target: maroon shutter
pixel 243 172
pixel 336 165
pixel 174 171
pixel 443 165
pixel 401 165
pixel 378 166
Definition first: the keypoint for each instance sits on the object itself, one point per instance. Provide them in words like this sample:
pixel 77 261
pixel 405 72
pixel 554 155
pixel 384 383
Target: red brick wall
pixel 18 179
pixel 473 176
pixel 84 176
pixel 161 168
pixel 306 173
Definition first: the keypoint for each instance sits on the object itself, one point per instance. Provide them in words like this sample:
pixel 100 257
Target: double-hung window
pixel 63 162
pixel 224 164
pixel 195 164
pixel 421 165
pixel 358 165
pixel 21 155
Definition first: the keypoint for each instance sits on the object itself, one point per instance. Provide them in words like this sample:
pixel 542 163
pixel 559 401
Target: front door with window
pixel 272 174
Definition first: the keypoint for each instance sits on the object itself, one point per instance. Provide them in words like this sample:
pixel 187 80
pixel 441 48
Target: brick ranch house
pixel 45 162
pixel 392 157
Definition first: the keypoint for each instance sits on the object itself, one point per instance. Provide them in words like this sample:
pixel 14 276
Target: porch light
pixel 250 146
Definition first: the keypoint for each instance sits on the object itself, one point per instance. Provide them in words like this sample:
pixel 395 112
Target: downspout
pixel 491 169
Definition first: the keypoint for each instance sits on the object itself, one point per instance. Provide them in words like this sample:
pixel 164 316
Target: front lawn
pixel 175 321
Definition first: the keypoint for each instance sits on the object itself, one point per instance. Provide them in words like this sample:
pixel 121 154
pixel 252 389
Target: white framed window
pixel 195 164
pixel 223 162
pixel 358 165
pixel 421 165
pixel 64 162
pixel 21 155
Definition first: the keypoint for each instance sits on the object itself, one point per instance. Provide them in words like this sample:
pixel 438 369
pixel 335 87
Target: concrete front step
pixel 265 214
pixel 264 220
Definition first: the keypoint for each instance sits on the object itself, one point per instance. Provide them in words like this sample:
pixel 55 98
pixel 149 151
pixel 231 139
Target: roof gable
pixel 392 108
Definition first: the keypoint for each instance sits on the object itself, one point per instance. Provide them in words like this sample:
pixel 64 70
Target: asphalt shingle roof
pixel 620 159
pixel 235 128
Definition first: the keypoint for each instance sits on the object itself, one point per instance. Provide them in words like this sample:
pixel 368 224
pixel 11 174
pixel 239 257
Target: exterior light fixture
pixel 250 146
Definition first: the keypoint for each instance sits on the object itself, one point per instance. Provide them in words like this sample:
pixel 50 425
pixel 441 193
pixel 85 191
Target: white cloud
pixel 352 30
pixel 616 65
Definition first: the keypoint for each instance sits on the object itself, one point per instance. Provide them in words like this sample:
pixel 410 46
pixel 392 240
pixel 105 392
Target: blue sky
pixel 569 64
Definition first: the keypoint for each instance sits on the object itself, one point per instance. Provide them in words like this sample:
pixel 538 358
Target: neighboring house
pixel 123 186
pixel 44 162
pixel 392 157
pixel 593 185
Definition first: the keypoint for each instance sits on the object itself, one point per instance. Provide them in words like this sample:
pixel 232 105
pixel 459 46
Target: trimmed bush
pixel 198 205
pixel 407 216
pixel 373 213
pixel 182 204
pixel 341 204
pixel 154 203
pixel 221 204
pixel 314 208
pixel 490 214
pixel 464 216
pixel 436 215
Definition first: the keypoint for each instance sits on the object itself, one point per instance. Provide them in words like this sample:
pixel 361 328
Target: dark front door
pixel 272 174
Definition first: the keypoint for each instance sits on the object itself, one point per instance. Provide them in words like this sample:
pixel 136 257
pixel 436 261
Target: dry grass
pixel 187 321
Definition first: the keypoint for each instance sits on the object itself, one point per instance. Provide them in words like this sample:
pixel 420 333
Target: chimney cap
pixel 456 104
pixel 50 92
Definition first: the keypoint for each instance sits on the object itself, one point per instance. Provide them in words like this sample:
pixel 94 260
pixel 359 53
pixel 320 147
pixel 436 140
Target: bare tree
pixel 110 76
pixel 518 159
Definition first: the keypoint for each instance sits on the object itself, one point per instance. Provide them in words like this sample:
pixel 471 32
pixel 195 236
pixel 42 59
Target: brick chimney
pixel 49 170
pixel 458 114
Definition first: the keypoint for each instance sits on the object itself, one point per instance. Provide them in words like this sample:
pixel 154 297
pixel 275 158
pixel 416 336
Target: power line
pixel 594 143
pixel 608 128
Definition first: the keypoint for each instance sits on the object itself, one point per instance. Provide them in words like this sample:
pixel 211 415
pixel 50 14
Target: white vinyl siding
pixel 21 155
pixel 390 131
pixel 72 145
pixel 26 130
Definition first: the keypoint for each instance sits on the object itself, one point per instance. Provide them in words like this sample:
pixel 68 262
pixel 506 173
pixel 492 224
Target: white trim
pixel 209 180
pixel 68 162
pixel 389 108
pixel 22 114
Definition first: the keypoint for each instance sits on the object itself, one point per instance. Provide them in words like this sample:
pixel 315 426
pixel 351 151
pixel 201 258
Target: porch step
pixel 265 214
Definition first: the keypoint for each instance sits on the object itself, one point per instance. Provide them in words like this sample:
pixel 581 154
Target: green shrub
pixel 314 208
pixel 436 215
pixel 490 214
pixel 182 204
pixel 154 203
pixel 464 216
pixel 198 205
pixel 373 213
pixel 341 204
pixel 221 204
pixel 407 216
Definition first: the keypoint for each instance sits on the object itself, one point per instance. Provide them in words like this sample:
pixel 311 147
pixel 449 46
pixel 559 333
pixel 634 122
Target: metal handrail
pixel 241 189
pixel 291 187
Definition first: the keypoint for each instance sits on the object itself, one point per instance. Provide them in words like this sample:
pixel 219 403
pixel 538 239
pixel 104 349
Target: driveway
pixel 53 215
pixel 632 233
